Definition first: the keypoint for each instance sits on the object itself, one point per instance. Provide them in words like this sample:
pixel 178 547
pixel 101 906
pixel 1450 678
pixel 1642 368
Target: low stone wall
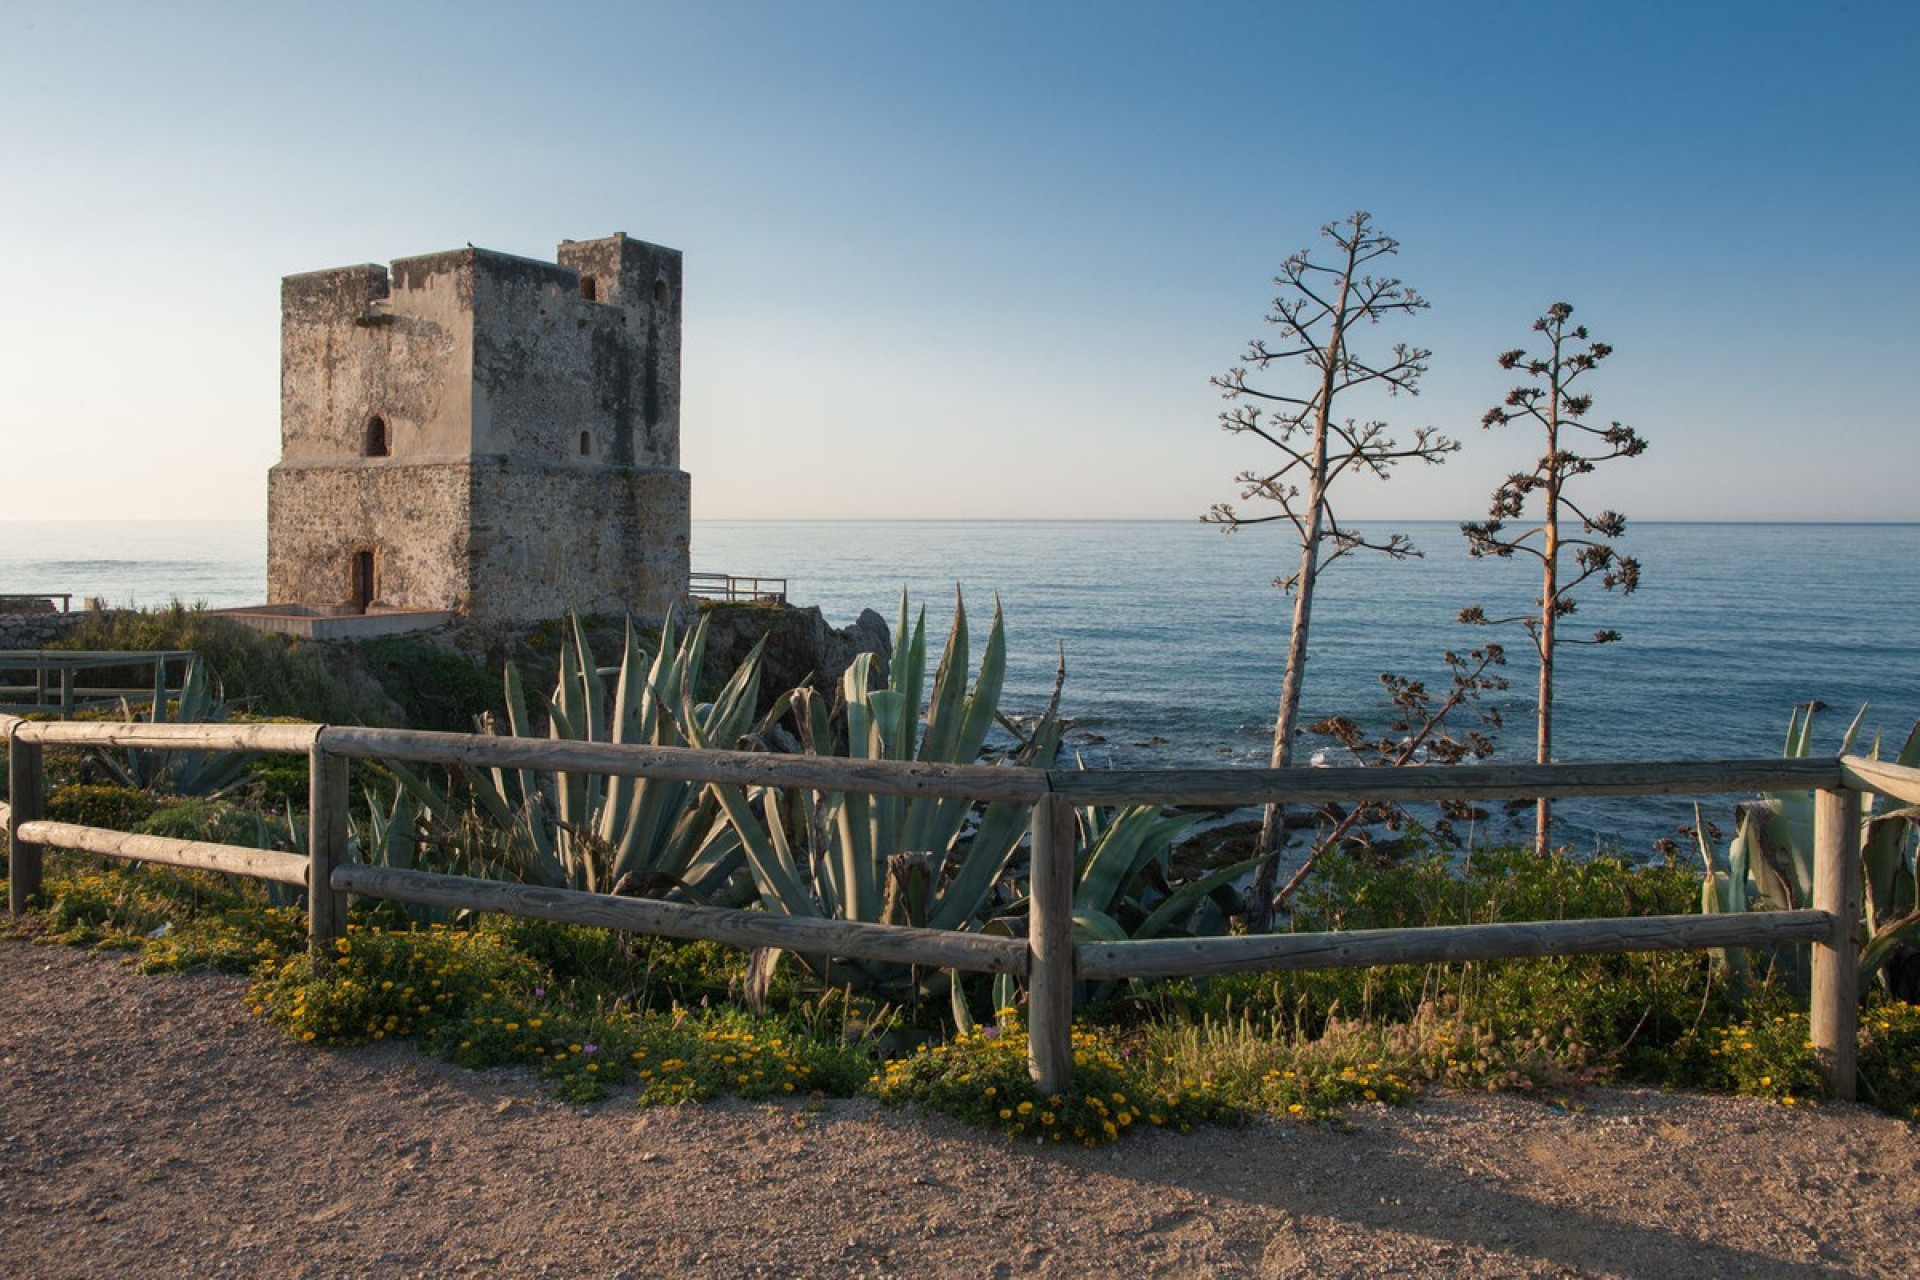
pixel 35 630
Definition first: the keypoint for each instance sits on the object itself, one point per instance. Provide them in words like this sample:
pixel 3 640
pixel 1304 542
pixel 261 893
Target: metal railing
pixel 737 588
pixel 11 601
pixel 1048 959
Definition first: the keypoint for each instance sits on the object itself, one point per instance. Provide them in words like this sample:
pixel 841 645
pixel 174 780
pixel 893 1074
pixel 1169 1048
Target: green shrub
pixel 271 675
pixel 982 1078
pixel 237 940
pixel 1770 1056
pixel 99 805
pixel 382 983
pixel 1890 1057
pixel 601 965
pixel 435 687
pixel 215 821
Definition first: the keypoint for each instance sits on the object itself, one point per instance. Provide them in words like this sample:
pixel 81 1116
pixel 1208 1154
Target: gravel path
pixel 150 1126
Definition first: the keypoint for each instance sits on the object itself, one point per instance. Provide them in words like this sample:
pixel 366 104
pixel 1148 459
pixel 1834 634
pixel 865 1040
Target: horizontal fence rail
pixel 686 764
pixel 261 864
pixel 1048 959
pixel 897 944
pixel 1213 787
pixel 1447 944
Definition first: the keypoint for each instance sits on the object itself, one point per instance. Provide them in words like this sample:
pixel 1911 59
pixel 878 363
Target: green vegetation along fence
pixel 1048 959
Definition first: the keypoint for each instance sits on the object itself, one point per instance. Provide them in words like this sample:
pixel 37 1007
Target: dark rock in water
pixel 801 647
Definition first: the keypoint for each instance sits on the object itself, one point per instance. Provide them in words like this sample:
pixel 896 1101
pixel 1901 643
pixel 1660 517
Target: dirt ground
pixel 151 1126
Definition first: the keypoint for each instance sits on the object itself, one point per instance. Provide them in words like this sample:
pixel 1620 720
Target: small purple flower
pixel 539 993
pixel 588 1050
pixel 990 1033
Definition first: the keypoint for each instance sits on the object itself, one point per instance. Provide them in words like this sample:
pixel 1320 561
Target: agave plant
pixel 1122 889
pixel 1769 862
pixel 641 836
pixel 180 773
pixel 916 860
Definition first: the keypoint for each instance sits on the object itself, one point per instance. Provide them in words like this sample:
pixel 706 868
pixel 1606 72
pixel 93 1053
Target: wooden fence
pixel 54 685
pixel 1048 959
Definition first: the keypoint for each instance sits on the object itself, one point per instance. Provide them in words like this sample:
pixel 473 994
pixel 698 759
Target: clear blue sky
pixel 980 260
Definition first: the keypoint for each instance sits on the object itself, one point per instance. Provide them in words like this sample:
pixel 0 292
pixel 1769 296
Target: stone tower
pixel 482 433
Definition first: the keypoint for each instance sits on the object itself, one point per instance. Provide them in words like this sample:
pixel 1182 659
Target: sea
pixel 1174 636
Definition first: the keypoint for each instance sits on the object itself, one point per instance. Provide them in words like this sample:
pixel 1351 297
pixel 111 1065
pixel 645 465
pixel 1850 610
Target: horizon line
pixel 1631 524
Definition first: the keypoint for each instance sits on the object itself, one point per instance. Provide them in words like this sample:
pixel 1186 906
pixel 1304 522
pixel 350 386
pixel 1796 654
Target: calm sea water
pixel 1175 639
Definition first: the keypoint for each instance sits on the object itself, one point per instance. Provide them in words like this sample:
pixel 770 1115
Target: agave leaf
pixel 768 858
pixel 520 725
pixel 860 862
pixel 1853 731
pixel 630 696
pixel 1185 900
pixel 964 894
pixel 962 1016
pixel 1116 858
pixel 944 713
pixel 1886 854
pixel 1886 940
pixel 1096 926
pixel 908 671
pixel 984 701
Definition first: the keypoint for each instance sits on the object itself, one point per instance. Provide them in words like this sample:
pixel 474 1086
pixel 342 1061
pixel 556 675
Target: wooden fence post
pixel 1837 889
pixel 26 791
pixel 326 848
pixel 1050 943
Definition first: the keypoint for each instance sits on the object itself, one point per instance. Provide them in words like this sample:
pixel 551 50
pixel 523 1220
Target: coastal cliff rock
pixel 801 647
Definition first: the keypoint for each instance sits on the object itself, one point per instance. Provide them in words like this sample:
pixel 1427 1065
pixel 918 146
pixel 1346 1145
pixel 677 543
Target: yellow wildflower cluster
pixel 379 984
pixel 719 1059
pixel 982 1077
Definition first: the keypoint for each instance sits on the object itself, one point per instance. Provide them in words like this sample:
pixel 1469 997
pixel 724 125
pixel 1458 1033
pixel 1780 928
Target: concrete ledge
pixel 309 623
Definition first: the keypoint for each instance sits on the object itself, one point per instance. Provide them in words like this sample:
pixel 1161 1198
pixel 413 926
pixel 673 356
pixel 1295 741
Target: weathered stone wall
pixel 415 519
pixel 560 377
pixel 544 543
pixel 502 434
pixel 355 346
pixel 35 631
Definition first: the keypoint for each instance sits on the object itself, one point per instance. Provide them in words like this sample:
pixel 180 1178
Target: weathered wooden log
pixel 1220 787
pixel 1050 943
pixel 26 788
pixel 1834 1007
pixel 930 948
pixel 1898 781
pixel 1361 948
pixel 686 764
pixel 261 864
pixel 327 836
pixel 174 737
